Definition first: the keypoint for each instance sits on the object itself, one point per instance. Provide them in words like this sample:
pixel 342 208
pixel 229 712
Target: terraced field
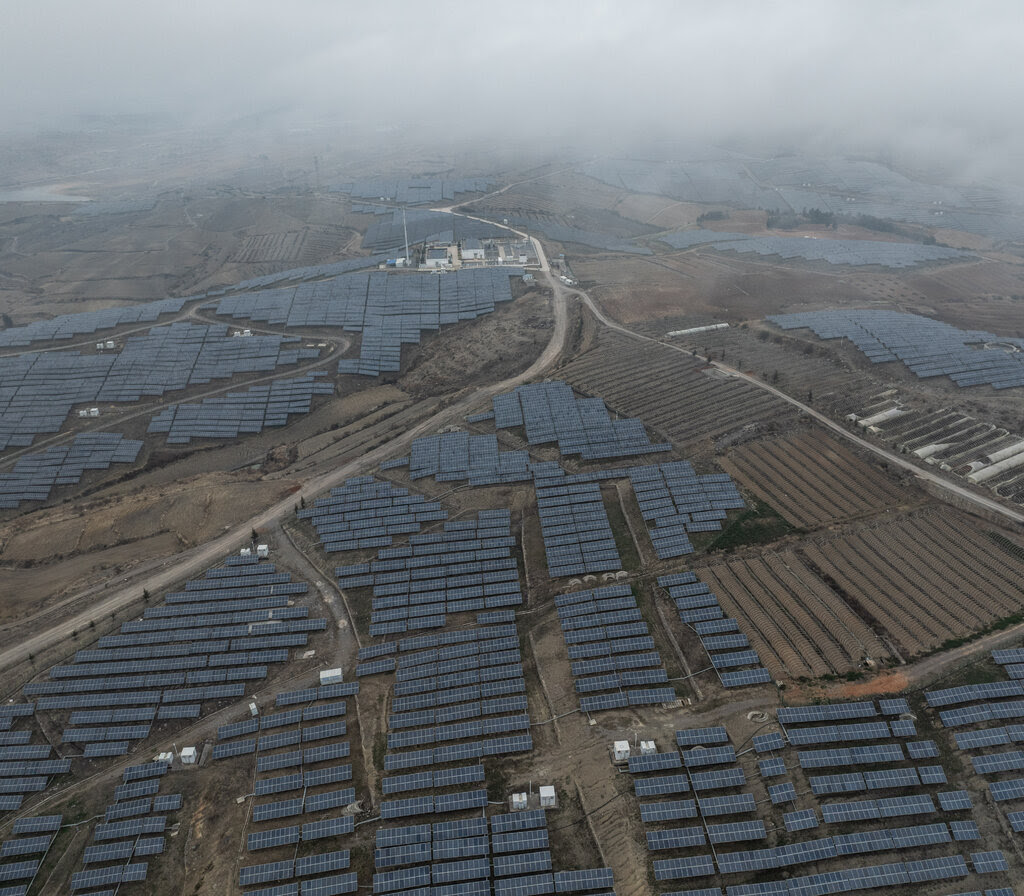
pixel 670 391
pixel 922 579
pixel 901 587
pixel 833 386
pixel 812 480
pixel 796 623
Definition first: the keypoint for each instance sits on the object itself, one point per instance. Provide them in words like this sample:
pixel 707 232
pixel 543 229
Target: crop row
pixel 920 579
pixel 810 479
pixel 668 390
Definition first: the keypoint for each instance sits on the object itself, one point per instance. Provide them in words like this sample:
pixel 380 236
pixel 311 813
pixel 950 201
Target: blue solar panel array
pixel 132 828
pixel 599 621
pixel 312 272
pixel 856 253
pixel 457 456
pixel 980 703
pixel 678 501
pixel 367 513
pixel 314 783
pixel 35 475
pixel 41 388
pixel 927 347
pixel 466 567
pixel 251 411
pixel 69 326
pixel 551 412
pixel 389 310
pixel 698 608
pixel 506 854
pixel 459 696
pixel 856 722
pixel 203 643
pixel 574 524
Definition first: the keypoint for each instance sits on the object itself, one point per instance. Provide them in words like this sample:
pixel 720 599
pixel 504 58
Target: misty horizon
pixel 927 81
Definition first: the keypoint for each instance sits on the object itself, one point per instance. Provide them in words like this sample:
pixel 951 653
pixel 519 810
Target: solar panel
pixel 701 756
pixel 726 805
pixel 894 706
pixel 26 846
pixel 782 793
pixel 455 830
pixel 667 810
pixel 715 780
pixel 518 821
pixel 1007 790
pixel 402 879
pixel 81 880
pixel 321 863
pixel 268 872
pixel 131 828
pixel 675 838
pixel 582 880
pixel 519 841
pixel 795 715
pixel 530 885
pixel 329 827
pixel 38 824
pixel 521 863
pixel 330 886
pixel 857 810
pixel 924 749
pixel 988 862
pixel 654 762
pixel 694 866
pixel 275 837
pixel 942 868
pixel 736 831
pixel 964 830
pixel 694 736
pixel 658 785
pixel 800 820
pixel 764 743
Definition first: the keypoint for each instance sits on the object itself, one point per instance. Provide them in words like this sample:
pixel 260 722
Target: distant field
pixel 923 579
pixel 671 391
pixel 799 627
pixel 812 480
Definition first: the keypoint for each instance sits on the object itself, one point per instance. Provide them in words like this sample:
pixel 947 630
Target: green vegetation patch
pixel 760 525
pixel 620 529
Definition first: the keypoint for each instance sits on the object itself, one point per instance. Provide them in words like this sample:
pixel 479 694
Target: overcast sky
pixel 939 75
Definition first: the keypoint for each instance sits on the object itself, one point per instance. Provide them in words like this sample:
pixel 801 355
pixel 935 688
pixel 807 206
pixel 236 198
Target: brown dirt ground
pixel 491 347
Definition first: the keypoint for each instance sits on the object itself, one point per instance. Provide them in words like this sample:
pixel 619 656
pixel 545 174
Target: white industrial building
pixel 436 258
pixel 472 250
